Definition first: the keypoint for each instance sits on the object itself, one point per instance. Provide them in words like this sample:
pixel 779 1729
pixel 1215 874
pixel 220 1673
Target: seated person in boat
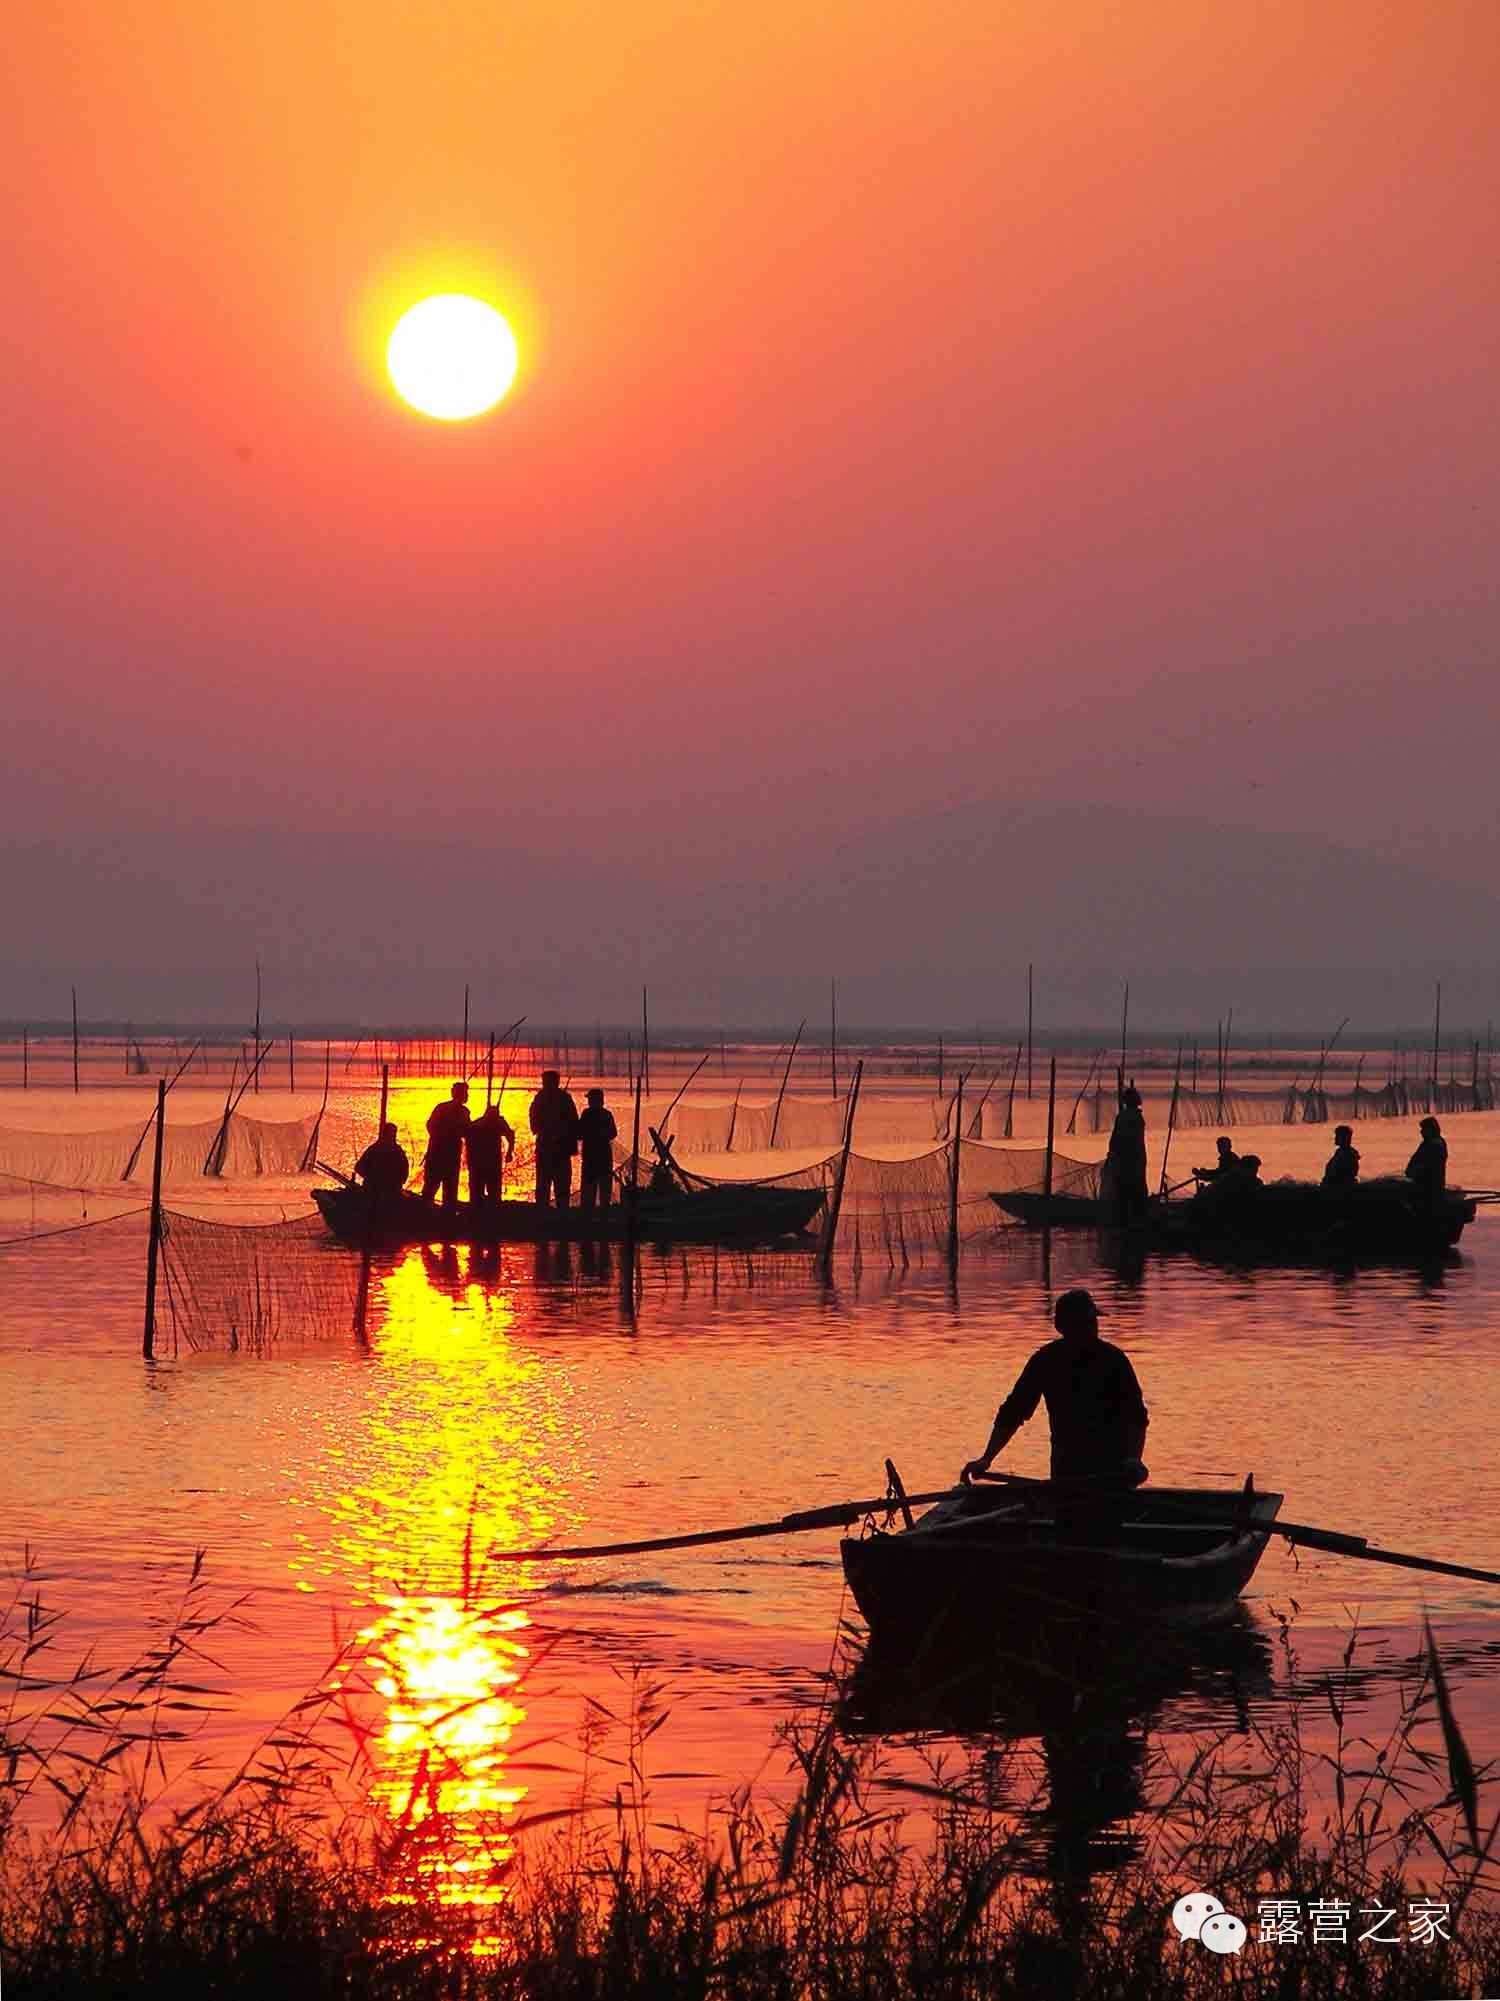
pixel 490 1141
pixel 554 1123
pixel 1427 1170
pixel 1123 1182
pixel 1228 1160
pixel 1342 1170
pixel 1098 1420
pixel 596 1137
pixel 446 1125
pixel 1241 1185
pixel 383 1166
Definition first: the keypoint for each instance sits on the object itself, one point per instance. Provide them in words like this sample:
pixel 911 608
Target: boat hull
pixel 973 1569
pixel 738 1213
pixel 1377 1222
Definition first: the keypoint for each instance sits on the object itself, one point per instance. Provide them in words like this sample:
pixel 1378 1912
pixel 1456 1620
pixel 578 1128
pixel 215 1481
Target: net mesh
pixel 237 1148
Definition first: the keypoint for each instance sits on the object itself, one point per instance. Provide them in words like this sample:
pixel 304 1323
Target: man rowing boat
pixel 1098 1419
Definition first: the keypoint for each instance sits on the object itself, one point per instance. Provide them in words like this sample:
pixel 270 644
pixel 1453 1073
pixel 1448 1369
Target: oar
pixel 836 1516
pixel 1356 1545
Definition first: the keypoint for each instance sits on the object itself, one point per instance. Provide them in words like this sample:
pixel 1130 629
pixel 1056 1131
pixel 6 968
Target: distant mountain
pixel 932 920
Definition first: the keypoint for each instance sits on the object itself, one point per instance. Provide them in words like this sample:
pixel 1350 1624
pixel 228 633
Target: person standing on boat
pixel 597 1133
pixel 1342 1171
pixel 383 1167
pixel 1124 1177
pixel 490 1141
pixel 554 1122
pixel 1427 1170
pixel 446 1125
pixel 1098 1419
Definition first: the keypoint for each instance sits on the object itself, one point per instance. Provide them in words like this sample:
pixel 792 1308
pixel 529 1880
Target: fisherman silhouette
pixel 1098 1420
pixel 597 1132
pixel 383 1166
pixel 1342 1170
pixel 446 1125
pixel 1123 1181
pixel 489 1141
pixel 1427 1170
pixel 1226 1163
pixel 554 1122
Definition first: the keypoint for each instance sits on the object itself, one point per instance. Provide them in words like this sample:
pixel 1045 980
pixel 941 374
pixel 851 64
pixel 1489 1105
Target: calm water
pixel 337 1483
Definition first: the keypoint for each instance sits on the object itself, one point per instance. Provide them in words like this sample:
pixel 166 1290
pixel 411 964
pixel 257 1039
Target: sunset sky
pixel 996 399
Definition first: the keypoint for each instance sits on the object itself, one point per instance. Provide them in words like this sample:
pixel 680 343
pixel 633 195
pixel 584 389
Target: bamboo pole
pixel 489 1073
pixel 1028 1034
pixel 1437 1030
pixel 291 1062
pixel 830 1228
pixel 1047 1161
pixel 25 1060
pixel 74 992
pixel 785 1077
pixel 953 1171
pixel 1171 1116
pixel 833 1035
pixel 1124 1024
pixel 256 1078
pixel 385 1096
pixel 645 1045
pixel 465 1064
pixel 1010 1101
pixel 153 1242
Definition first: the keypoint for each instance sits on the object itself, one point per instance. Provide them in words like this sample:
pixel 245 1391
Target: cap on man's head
pixel 1075 1309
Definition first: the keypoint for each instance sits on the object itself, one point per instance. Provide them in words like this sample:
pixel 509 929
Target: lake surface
pixel 343 1483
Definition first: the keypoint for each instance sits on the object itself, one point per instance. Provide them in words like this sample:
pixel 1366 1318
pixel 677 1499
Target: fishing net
pixel 236 1148
pixel 248 1285
pixel 33 1208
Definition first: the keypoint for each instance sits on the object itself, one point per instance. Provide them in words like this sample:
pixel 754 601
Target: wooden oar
pixel 836 1516
pixel 1356 1545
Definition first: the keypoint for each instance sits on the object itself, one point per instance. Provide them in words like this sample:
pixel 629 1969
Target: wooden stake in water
pixel 1124 1024
pixel 833 1035
pixel 1171 1116
pixel 25 1061
pixel 465 1071
pixel 489 1073
pixel 257 1024
pixel 385 1095
pixel 74 992
pixel 830 1228
pixel 1437 1033
pixel 1047 1160
pixel 291 1062
pixel 645 1045
pixel 954 1163
pixel 1028 1035
pixel 785 1076
pixel 153 1242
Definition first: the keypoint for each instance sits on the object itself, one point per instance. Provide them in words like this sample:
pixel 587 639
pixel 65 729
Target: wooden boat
pixel 1377 1219
pixel 987 1559
pixel 732 1212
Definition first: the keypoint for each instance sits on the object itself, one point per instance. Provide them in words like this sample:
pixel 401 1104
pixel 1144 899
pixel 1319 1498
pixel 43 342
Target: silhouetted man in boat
pixel 554 1122
pixel 597 1132
pixel 1342 1171
pixel 1427 1170
pixel 1228 1160
pixel 383 1167
pixel 490 1141
pixel 446 1125
pixel 1098 1420
pixel 1124 1175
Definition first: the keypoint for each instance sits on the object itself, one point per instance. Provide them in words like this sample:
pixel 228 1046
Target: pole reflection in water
pixel 464 1447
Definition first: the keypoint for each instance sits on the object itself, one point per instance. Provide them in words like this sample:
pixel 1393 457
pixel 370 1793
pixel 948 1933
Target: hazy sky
pixel 919 404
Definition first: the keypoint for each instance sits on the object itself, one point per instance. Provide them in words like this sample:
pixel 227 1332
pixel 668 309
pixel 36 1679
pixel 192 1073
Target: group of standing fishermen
pixel 1235 1176
pixel 562 1134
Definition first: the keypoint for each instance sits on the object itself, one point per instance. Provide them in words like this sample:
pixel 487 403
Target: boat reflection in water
pixel 1083 1694
pixel 464 1445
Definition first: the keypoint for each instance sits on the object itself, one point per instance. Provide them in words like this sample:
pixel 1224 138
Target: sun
pixel 451 356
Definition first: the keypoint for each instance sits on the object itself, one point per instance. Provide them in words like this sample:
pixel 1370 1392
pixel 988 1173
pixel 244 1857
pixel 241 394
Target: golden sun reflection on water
pixel 463 1447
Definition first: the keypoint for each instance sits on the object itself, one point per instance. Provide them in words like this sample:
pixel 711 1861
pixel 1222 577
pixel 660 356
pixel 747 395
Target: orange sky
pixel 1077 400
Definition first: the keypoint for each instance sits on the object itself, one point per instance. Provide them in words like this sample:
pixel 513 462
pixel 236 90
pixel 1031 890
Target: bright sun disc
pixel 451 356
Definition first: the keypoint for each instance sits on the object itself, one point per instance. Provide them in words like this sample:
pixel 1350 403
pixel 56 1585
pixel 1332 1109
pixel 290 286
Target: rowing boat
pixel 1376 1219
pixel 988 1558
pixel 737 1212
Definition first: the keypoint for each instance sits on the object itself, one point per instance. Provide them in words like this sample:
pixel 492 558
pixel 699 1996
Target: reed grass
pixel 126 1871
